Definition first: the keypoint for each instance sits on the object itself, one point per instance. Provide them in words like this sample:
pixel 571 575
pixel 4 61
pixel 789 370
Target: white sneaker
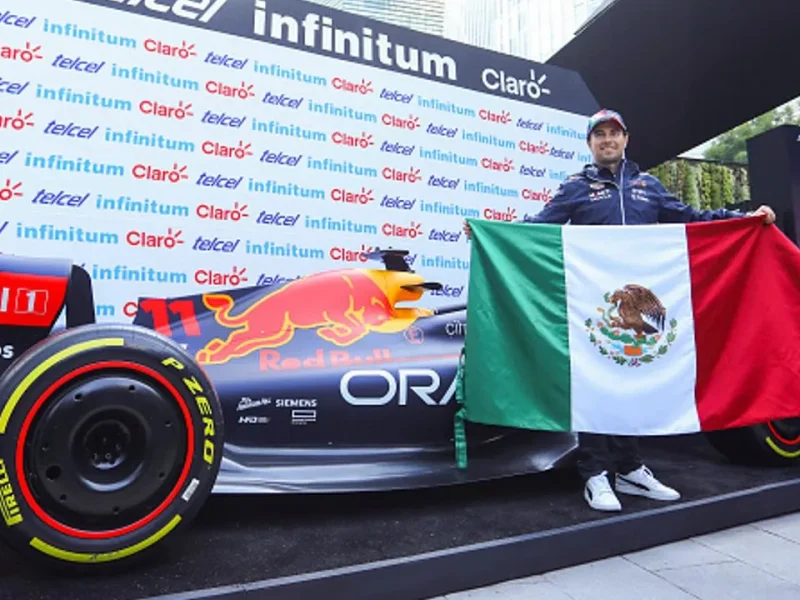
pixel 642 482
pixel 599 495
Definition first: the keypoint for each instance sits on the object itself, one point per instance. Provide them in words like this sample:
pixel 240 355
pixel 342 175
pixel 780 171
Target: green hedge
pixel 704 184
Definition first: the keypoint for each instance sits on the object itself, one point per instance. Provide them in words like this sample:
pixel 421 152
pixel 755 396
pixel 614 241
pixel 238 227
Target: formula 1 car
pixel 112 436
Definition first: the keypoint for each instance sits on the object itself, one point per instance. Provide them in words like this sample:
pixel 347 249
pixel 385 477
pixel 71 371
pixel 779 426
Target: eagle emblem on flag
pixel 632 329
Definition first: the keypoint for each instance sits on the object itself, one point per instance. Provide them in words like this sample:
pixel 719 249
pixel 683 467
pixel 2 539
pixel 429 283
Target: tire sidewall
pixel 780 450
pixel 42 365
pixel 755 445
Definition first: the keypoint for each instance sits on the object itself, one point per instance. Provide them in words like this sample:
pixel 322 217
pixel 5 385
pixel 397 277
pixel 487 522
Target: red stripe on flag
pixel 746 299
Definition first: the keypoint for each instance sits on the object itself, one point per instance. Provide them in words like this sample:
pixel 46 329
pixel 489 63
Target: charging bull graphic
pixel 344 307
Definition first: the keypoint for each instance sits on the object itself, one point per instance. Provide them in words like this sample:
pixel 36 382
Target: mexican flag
pixel 631 330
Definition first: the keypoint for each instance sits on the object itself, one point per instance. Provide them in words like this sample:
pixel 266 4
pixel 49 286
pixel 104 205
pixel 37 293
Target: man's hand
pixel 467 230
pixel 766 212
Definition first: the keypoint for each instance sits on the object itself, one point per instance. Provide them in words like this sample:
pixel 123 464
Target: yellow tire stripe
pixel 26 383
pixel 781 451
pixel 79 557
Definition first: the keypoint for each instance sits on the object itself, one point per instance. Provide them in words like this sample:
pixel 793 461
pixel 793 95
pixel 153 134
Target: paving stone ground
pixel 759 560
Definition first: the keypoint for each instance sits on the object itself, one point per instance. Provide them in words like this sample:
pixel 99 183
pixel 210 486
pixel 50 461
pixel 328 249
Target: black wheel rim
pixel 105 451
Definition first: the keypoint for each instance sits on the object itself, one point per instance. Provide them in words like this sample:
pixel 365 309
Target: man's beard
pixel 605 162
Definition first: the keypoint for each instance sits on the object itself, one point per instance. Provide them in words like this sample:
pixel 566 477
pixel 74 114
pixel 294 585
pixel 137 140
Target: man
pixel 613 191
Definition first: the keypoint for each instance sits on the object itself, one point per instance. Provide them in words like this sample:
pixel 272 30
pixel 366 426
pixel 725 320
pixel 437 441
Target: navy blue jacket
pixel 592 197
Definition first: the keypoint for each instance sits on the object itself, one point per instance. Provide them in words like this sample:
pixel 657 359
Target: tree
pixel 660 173
pixel 703 184
pixel 679 185
pixel 672 174
pixel 690 195
pixel 744 177
pixel 727 186
pixel 732 145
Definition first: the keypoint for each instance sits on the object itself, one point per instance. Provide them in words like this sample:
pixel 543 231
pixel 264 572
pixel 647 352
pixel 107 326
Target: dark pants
pixel 612 453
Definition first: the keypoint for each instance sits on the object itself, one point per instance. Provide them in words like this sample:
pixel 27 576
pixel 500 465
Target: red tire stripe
pixel 780 438
pixel 102 535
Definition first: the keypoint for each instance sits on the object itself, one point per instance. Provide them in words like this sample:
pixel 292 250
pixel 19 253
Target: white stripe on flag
pixel 641 397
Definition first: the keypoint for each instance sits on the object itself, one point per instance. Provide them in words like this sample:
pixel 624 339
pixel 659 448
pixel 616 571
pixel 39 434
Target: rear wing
pixel 33 294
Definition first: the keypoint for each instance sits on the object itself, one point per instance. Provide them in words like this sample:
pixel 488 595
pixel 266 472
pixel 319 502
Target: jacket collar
pixel 627 167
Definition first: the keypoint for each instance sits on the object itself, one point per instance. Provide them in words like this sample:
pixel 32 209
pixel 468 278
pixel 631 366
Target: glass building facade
pixel 531 29
pixel 426 16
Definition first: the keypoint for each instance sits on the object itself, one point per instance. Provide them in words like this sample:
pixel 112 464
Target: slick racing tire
pixel 110 442
pixel 776 443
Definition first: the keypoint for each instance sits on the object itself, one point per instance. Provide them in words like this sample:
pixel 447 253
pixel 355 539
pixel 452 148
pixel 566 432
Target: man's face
pixel 607 143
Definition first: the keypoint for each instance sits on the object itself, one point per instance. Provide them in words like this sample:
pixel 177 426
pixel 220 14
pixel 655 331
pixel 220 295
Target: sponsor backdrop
pixel 175 146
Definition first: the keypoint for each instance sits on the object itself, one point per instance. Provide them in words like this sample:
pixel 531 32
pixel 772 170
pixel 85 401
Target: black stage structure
pixel 684 71
pixel 416 545
pixel 774 169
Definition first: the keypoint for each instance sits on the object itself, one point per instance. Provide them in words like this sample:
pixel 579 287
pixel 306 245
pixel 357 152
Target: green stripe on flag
pixel 517 367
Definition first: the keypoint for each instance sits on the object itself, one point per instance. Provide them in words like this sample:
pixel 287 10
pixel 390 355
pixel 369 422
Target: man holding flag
pixel 613 191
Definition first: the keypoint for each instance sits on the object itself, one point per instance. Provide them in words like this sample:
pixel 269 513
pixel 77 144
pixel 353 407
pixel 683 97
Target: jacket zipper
pixel 619 189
